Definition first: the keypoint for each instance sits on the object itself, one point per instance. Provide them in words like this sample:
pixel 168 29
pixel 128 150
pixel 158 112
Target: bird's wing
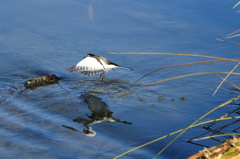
pixel 88 65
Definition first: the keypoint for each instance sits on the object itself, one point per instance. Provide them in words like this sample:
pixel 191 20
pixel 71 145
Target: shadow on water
pixel 100 113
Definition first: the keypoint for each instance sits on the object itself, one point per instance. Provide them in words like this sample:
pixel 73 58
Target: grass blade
pixel 192 74
pixel 225 79
pixel 213 136
pixel 230 83
pixel 228 42
pixel 236 5
pixel 233 33
pixel 196 55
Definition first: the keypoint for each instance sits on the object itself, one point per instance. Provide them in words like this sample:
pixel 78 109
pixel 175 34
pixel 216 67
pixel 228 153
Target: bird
pixel 93 64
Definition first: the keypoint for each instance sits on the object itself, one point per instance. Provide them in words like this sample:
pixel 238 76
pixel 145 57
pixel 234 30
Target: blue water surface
pixel 82 117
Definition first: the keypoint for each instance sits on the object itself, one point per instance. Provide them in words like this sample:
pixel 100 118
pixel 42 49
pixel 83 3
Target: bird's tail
pixel 125 67
pixel 116 65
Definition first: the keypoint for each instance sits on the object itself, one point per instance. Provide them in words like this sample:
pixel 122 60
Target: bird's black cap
pixel 91 54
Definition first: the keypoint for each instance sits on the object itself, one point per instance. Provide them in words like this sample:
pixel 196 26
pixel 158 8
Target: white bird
pixel 94 64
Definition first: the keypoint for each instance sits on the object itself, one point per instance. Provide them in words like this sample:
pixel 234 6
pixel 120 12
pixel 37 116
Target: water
pixel 95 120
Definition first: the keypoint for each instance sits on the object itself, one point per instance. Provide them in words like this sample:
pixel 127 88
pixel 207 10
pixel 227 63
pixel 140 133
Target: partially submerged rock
pixel 41 81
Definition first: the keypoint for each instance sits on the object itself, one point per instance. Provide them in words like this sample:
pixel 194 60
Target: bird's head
pixel 90 55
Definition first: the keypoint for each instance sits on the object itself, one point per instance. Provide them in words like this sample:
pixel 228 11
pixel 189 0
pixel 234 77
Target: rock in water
pixel 41 81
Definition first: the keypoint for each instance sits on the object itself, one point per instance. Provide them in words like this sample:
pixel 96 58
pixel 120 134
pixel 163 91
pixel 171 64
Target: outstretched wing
pixel 89 66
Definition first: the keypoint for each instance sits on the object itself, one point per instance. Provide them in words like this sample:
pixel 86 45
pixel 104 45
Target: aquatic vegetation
pixel 227 150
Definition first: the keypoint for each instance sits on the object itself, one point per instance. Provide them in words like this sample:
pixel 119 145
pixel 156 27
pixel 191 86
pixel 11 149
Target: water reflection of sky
pixel 44 37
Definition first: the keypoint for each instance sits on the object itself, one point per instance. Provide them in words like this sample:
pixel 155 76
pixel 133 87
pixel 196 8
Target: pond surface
pixel 82 117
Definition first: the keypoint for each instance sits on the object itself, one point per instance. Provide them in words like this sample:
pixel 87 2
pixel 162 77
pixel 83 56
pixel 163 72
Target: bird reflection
pixel 100 112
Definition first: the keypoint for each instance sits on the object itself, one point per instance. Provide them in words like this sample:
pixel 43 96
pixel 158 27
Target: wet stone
pixel 41 81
